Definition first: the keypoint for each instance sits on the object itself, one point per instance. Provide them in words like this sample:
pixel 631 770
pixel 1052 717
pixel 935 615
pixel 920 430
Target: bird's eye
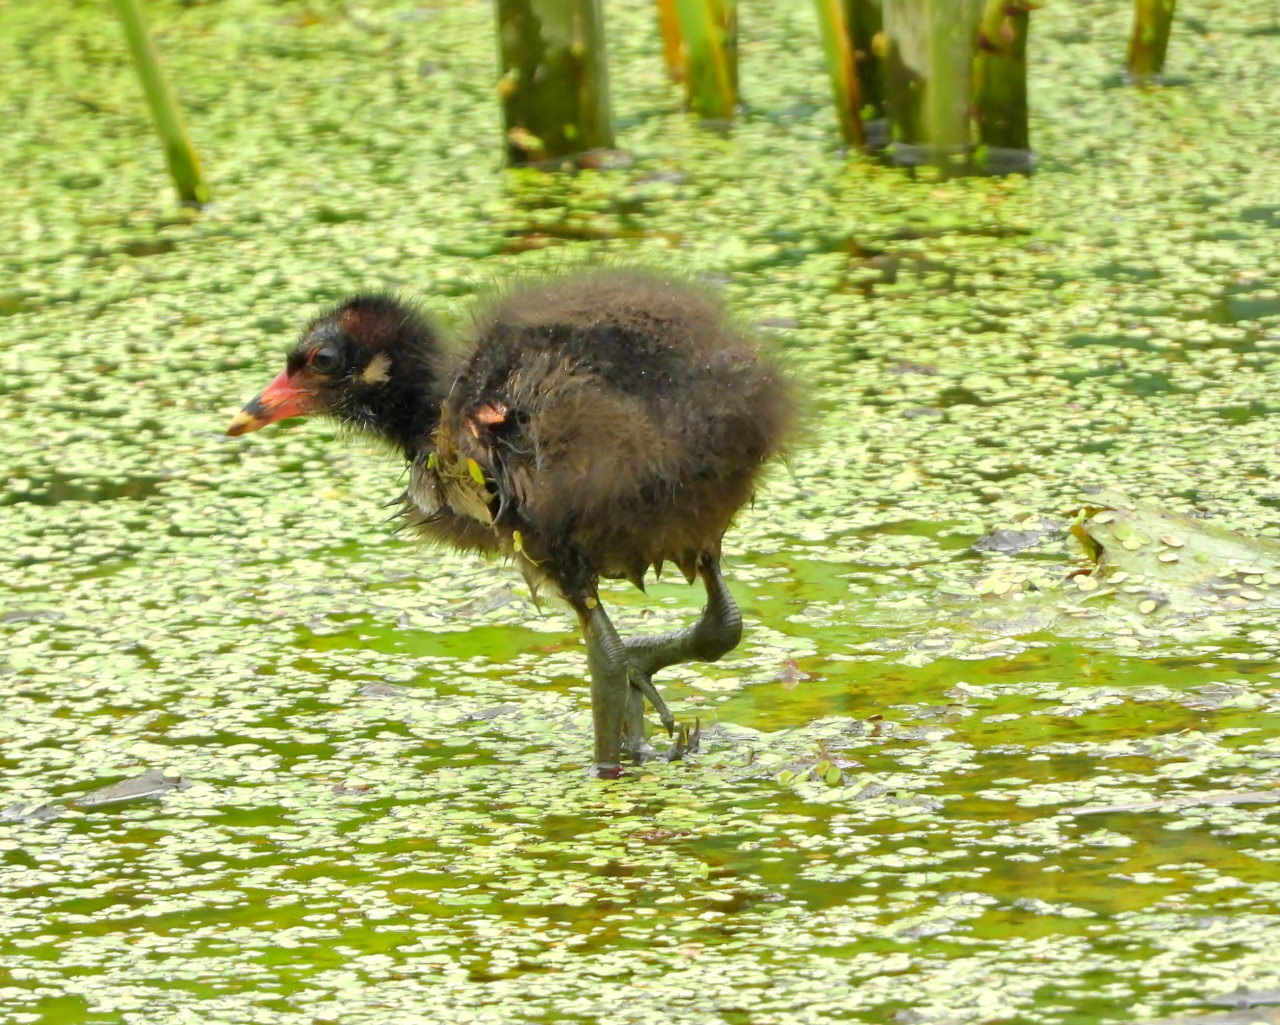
pixel 324 360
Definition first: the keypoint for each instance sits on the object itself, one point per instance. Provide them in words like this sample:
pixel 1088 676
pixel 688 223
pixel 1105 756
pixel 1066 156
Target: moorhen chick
pixel 597 424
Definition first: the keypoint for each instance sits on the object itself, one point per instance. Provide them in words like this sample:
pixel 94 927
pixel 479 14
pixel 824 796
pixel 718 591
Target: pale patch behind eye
pixel 378 370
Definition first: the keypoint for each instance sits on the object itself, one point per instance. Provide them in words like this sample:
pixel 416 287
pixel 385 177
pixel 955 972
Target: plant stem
pixel 710 30
pixel 1152 22
pixel 1000 87
pixel 928 80
pixel 672 44
pixel 837 44
pixel 554 83
pixel 184 165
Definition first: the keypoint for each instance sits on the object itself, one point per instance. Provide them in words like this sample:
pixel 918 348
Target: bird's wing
pixel 454 473
pixel 424 492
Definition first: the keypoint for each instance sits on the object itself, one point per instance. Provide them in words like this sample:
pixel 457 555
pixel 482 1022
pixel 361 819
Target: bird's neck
pixel 404 420
pixel 416 435
pixel 411 431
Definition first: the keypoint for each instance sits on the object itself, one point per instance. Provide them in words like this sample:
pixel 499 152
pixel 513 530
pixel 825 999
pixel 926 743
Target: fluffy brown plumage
pixel 595 424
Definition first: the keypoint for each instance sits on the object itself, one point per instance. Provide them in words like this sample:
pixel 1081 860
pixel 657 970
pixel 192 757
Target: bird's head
pixel 373 363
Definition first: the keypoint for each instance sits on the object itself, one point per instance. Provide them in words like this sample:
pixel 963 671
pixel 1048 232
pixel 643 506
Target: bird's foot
pixel 637 748
pixel 686 741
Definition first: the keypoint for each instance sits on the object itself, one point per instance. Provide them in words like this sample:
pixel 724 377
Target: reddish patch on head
pixel 373 328
pixel 353 322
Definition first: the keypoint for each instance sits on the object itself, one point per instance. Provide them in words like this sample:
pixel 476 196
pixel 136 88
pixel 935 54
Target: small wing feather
pixel 424 491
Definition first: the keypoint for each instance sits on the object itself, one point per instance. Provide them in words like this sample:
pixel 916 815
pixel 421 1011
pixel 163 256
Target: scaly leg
pixel 622 671
pixel 633 740
pixel 610 692
pixel 716 632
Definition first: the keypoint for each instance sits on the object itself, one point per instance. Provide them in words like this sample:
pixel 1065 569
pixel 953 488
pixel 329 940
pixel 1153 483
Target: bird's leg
pixel 633 739
pixel 716 632
pixel 611 695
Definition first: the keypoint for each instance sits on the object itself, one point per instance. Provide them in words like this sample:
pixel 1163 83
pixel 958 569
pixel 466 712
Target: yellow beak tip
pixel 241 423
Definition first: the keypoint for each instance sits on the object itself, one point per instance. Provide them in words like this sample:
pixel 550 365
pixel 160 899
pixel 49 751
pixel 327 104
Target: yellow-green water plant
pixel 865 19
pixel 956 84
pixel 710 32
pixel 180 155
pixel 1000 87
pixel 554 82
pixel 837 45
pixel 929 68
pixel 852 38
pixel 1149 41
pixel 672 44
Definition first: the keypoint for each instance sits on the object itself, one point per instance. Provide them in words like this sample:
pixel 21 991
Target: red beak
pixel 281 399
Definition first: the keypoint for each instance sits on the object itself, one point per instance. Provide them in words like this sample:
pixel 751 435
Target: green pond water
pixel 953 774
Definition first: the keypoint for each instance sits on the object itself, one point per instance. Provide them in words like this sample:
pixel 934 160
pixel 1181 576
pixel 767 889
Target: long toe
pixel 643 682
pixel 687 741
